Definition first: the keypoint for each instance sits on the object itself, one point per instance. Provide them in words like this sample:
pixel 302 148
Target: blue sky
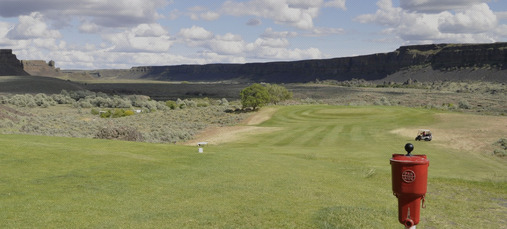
pixel 97 34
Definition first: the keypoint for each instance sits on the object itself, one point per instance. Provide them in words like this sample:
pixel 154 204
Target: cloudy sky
pixel 94 34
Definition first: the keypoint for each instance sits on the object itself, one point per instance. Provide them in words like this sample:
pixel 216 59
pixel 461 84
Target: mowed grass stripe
pixel 319 136
pixel 295 137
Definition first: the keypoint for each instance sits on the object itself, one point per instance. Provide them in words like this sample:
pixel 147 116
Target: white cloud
pixel 32 26
pixel 209 16
pixel 476 19
pixel 501 15
pixel 174 14
pixel 4 29
pixel 105 13
pixel 336 3
pixel 201 13
pixel 142 38
pixel 501 30
pixel 270 45
pixel 437 6
pixel 386 15
pixel 195 33
pixel 296 13
pixel 477 23
pixel 270 33
pixel 228 44
pixel 88 27
pixel 321 31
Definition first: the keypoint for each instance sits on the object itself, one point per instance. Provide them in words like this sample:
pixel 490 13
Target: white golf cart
pixel 423 135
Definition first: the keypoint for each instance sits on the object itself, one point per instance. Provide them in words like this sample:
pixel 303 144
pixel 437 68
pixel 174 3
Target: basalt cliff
pixel 455 62
pixel 433 62
pixel 10 65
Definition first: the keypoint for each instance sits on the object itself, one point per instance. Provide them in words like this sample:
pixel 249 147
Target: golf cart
pixel 423 135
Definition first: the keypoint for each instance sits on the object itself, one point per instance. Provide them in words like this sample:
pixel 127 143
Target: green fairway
pixel 323 167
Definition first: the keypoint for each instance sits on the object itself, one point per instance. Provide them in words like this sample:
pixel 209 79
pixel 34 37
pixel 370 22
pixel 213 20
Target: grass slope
pixel 328 167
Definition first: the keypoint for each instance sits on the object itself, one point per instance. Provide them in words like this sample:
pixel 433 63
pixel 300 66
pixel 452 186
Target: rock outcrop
pixel 41 68
pixel 440 57
pixel 10 65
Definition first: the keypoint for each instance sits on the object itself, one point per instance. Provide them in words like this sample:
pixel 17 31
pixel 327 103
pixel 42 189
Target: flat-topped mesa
pixel 41 68
pixel 10 65
pixel 440 58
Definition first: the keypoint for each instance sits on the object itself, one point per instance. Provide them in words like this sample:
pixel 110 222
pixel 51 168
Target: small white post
pixel 200 145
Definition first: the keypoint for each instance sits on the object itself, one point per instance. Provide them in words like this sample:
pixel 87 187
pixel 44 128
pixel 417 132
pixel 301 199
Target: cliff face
pixel 40 68
pixel 441 57
pixel 9 64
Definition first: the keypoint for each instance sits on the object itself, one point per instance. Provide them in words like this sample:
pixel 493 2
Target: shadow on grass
pixel 354 217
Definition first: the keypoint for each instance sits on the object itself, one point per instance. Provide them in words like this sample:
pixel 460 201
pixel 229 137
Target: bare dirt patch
pixel 474 133
pixel 219 135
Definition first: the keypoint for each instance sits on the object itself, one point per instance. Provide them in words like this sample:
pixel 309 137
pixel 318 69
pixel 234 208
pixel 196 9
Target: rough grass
pixel 327 167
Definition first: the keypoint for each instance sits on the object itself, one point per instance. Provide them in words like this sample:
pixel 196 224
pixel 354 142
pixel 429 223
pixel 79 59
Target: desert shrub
pixel 383 101
pixel 309 100
pixel 94 112
pixel 119 102
pixel 223 102
pixel 42 100
pixel 463 104
pixel 120 133
pixel 129 113
pixel 4 99
pixel 161 106
pixel 278 93
pixel 171 104
pixel 501 145
pixel 117 113
pixel 84 103
pixel 202 104
pixel 6 123
pixel 26 100
pixel 190 103
pixel 62 99
pixel 77 95
pixel 106 114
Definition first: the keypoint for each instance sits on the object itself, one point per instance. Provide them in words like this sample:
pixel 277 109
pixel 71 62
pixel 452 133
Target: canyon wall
pixel 440 57
pixel 9 64
pixel 41 68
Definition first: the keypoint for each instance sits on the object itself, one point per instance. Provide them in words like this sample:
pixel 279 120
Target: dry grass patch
pixel 474 133
pixel 216 135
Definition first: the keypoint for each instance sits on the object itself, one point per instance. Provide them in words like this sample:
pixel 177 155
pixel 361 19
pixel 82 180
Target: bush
pixel 129 113
pixel 382 102
pixel 171 104
pixel 120 133
pixel 463 104
pixel 224 102
pixel 278 93
pixel 502 147
pixel 254 96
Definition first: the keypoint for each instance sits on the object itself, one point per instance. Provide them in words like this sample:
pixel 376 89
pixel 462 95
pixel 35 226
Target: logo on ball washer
pixel 408 176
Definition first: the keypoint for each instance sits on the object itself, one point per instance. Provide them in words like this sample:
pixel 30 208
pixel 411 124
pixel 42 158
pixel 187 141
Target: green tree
pixel 254 96
pixel 278 93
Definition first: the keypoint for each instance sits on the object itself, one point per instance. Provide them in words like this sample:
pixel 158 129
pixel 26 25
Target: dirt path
pixel 219 135
pixel 475 133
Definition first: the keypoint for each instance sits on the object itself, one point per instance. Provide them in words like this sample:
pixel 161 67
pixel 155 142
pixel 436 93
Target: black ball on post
pixel 409 148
